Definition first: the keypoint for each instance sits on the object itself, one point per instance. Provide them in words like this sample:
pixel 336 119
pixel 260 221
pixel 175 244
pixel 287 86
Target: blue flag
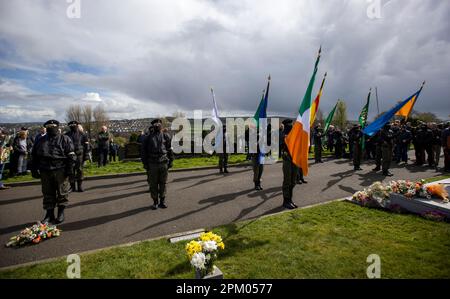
pixel 386 117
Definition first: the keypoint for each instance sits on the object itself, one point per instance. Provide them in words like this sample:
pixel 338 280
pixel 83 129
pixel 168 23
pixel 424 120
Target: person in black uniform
pixel 356 135
pixel 157 157
pixel 223 157
pixel 338 143
pixel 290 170
pixel 376 139
pixel 386 139
pixel 403 139
pixel 53 158
pixel 317 136
pixel 257 164
pixel 81 144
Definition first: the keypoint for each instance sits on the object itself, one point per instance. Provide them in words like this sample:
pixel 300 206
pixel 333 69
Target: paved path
pixel 117 211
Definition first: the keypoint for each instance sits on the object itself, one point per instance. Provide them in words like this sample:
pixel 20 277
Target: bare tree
pixel 340 117
pixel 100 118
pixel 87 118
pixel 74 112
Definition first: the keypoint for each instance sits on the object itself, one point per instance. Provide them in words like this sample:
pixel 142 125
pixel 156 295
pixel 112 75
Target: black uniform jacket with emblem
pixel 52 153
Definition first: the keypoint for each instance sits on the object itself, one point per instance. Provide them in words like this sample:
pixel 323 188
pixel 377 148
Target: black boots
pixel 80 186
pixel 162 204
pixel 155 205
pixel 49 216
pixel 60 218
pixel 357 168
pixel 387 173
pixel 258 187
pixel 289 204
pixel 376 169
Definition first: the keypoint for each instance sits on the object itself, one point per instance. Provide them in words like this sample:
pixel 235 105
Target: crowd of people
pixel 16 150
pixel 390 144
pixel 57 159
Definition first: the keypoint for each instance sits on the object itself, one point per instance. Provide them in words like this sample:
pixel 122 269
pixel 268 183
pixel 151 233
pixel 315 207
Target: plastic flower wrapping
pixel 34 235
pixel 203 252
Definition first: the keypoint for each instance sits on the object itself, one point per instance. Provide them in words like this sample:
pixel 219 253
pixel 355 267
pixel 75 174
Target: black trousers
pixel 102 157
pixel 55 188
pixel 290 173
pixel 257 170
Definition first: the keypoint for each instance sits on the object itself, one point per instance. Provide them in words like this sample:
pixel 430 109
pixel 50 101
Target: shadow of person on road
pixel 17 200
pixel 108 186
pixel 92 222
pixel 340 176
pixel 106 199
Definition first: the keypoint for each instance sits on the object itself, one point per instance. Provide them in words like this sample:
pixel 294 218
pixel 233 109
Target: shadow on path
pixel 82 224
pixel 106 199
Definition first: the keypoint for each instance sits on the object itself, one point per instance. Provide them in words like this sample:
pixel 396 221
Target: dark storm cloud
pixel 155 55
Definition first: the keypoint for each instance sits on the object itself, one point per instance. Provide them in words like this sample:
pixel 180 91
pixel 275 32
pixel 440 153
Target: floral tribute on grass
pixel 378 195
pixel 34 235
pixel 203 252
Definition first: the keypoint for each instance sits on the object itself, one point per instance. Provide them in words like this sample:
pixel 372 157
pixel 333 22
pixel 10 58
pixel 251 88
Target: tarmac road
pixel 117 211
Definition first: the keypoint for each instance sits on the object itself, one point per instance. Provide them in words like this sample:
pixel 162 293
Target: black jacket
pixel 80 142
pixel 52 153
pixel 157 148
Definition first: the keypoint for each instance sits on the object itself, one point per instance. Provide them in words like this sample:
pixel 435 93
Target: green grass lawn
pixel 131 166
pixel 327 241
pixel 136 166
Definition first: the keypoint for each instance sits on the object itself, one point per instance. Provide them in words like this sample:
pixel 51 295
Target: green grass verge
pixel 136 166
pixel 327 241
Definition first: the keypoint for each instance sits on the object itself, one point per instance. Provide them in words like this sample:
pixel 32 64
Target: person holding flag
pixel 220 145
pixel 357 136
pixel 386 135
pixel 297 144
pixel 261 125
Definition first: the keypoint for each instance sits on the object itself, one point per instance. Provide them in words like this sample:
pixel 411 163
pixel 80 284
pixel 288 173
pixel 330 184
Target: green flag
pixel 363 119
pixel 365 112
pixel 329 119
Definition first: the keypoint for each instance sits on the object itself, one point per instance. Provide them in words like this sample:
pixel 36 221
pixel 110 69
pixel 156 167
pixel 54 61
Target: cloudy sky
pixel 147 58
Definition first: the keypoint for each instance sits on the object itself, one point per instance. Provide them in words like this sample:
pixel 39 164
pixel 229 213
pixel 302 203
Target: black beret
pixel 156 120
pixel 73 123
pixel 51 122
pixel 24 129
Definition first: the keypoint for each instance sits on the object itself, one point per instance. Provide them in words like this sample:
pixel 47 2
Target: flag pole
pixel 376 94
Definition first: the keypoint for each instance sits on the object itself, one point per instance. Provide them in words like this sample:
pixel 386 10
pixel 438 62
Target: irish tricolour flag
pixel 298 139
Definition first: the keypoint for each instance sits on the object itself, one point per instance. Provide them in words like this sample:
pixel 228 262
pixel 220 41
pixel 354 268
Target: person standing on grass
pixel 113 151
pixel 317 137
pixel 103 141
pixel 42 133
pixel 80 143
pixel 5 150
pixel 22 148
pixel 157 157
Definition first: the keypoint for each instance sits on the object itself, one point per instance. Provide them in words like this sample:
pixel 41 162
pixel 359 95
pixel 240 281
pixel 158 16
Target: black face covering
pixel 52 131
pixel 73 128
pixel 157 127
